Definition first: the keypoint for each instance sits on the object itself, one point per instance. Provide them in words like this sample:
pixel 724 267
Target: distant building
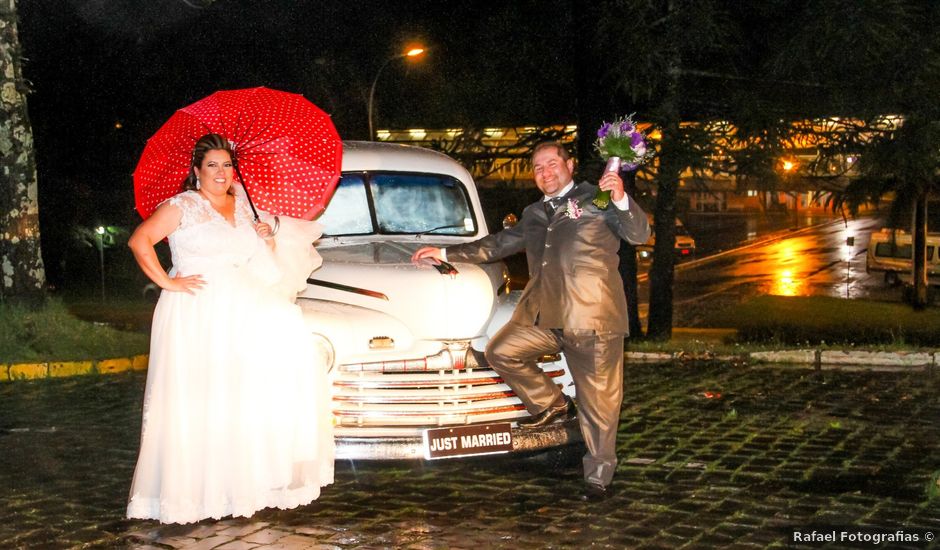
pixel 494 156
pixel 500 157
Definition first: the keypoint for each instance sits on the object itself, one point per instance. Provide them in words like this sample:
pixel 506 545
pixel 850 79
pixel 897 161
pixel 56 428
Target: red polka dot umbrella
pixel 288 151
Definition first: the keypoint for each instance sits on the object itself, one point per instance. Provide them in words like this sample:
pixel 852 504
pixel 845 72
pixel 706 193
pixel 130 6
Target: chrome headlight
pixel 324 350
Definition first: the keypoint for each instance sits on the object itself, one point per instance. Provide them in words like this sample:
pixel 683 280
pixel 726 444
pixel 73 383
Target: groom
pixel 574 303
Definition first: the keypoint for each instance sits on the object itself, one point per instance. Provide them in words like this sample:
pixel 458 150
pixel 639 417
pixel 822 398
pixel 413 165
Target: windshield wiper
pixel 432 230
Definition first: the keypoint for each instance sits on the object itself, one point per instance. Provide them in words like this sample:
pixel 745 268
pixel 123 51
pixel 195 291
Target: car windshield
pixel 401 204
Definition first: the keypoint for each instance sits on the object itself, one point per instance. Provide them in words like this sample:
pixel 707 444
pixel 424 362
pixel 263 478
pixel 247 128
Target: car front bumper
pixel 412 447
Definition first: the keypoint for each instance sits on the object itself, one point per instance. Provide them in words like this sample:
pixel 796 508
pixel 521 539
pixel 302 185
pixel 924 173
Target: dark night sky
pixel 93 64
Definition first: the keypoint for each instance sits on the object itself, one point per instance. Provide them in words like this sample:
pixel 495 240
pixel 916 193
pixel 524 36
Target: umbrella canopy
pixel 288 152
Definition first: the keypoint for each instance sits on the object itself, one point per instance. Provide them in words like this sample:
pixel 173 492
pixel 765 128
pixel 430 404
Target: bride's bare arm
pixel 153 230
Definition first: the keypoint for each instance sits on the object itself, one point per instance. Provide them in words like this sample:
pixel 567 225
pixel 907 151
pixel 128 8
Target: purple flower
pixel 636 139
pixel 602 132
pixel 626 127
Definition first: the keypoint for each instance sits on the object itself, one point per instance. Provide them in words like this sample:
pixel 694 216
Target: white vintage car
pixel 404 342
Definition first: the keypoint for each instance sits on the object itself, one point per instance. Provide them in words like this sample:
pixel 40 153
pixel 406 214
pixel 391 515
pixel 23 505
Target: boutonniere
pixel 573 210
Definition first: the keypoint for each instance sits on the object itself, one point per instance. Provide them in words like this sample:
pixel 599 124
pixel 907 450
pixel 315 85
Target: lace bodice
pixel 205 242
pixel 196 209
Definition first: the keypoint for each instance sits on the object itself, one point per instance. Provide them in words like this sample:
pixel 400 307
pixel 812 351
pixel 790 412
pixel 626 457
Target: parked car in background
pixel 684 248
pixel 405 343
pixel 890 251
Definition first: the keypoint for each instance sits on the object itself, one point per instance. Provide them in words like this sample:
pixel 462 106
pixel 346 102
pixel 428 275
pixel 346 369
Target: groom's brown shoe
pixel 549 415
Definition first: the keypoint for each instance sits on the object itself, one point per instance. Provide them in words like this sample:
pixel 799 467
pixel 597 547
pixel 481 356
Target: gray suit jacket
pixel 574 282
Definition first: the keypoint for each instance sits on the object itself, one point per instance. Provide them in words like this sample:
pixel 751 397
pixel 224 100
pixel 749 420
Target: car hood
pixel 380 276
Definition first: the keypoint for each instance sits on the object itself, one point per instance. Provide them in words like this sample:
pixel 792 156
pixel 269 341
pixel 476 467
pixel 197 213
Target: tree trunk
pixel 22 275
pixel 919 242
pixel 662 272
pixel 628 271
pixel 591 101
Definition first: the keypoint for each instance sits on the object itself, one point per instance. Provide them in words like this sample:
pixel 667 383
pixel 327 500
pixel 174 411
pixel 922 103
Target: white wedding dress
pixel 236 412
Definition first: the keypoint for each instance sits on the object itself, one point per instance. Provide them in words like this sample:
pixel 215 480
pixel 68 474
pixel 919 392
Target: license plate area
pixel 472 440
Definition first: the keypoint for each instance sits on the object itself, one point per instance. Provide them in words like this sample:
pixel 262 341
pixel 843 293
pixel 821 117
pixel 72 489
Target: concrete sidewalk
pixel 817 357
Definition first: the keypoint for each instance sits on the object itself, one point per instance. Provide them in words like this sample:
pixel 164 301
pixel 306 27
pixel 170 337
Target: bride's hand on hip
pixel 188 284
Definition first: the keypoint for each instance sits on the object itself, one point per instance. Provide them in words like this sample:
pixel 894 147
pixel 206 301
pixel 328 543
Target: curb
pixel 820 359
pixel 10 372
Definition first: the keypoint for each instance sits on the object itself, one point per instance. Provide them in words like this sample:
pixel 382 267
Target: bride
pixel 236 413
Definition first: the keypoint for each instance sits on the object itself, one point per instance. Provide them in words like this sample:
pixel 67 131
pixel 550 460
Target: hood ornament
pixel 445 268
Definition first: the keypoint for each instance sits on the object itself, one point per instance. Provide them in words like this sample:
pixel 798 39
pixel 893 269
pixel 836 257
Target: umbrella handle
pixel 247 194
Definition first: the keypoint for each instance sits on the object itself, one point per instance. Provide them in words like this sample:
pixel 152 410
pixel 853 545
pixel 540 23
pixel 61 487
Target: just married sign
pixel 478 439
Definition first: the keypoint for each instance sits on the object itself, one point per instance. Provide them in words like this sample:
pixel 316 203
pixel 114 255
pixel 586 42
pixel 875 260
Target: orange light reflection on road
pixel 785 285
pixel 783 268
pixel 785 282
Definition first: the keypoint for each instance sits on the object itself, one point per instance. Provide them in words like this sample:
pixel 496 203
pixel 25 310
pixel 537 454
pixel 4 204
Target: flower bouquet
pixel 623 147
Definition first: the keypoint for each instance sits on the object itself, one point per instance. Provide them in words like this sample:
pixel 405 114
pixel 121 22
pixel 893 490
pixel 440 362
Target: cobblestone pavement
pixel 712 455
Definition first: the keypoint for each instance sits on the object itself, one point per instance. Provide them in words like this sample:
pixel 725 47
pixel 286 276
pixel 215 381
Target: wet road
pixel 712 455
pixel 718 231
pixel 814 261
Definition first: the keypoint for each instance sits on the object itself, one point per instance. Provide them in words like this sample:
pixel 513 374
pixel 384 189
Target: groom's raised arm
pixel 632 224
pixel 625 217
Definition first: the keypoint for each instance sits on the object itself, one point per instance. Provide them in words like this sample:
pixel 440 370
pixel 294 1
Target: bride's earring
pixel 198 184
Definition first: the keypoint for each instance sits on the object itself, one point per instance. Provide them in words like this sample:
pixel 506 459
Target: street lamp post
pixel 100 231
pixel 849 248
pixel 413 52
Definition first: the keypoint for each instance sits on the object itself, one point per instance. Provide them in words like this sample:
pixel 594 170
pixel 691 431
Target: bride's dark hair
pixel 208 142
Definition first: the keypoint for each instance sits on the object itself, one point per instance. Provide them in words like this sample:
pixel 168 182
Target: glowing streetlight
pixel 413 52
pixel 100 232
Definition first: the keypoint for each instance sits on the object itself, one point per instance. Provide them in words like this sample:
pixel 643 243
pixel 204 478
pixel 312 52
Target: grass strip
pixel 52 333
pixel 821 320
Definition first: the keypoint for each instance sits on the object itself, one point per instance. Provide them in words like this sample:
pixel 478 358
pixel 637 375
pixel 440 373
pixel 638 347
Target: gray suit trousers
pixel 596 364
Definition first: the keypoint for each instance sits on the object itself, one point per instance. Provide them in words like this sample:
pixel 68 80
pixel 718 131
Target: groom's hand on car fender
pixel 427 256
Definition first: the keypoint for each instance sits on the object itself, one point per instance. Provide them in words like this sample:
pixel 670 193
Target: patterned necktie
pixel 551 205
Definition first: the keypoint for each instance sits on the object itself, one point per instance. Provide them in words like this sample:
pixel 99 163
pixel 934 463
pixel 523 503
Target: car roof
pixel 394 157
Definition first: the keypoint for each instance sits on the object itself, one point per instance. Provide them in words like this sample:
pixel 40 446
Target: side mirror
pixel 510 220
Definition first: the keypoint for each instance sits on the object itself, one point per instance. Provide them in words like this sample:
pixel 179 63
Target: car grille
pixel 403 397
